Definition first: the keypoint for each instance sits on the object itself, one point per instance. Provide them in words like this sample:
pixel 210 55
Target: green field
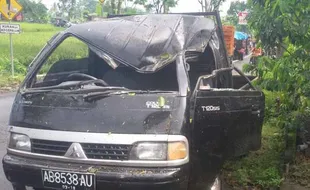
pixel 26 45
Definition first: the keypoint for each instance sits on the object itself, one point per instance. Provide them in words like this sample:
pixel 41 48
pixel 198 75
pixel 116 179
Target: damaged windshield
pixel 74 64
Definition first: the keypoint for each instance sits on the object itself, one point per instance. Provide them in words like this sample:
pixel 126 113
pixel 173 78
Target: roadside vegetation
pixel 26 45
pixel 282 29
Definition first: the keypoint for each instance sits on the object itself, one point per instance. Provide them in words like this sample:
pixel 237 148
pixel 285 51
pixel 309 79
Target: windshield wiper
pixel 74 87
pixel 99 95
pixel 30 93
pixel 77 84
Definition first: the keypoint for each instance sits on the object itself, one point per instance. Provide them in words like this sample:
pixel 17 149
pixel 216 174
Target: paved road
pixel 6 101
pixel 5 107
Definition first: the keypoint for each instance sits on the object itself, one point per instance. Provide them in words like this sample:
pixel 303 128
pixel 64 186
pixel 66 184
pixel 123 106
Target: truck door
pixel 227 121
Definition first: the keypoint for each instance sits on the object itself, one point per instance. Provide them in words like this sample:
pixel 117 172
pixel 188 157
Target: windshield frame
pixel 58 38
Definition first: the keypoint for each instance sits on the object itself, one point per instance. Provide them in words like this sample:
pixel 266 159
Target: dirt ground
pixel 289 186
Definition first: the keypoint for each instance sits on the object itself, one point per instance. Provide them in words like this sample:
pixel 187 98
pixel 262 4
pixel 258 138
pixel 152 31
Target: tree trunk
pixel 201 4
pixel 206 6
pixel 166 8
pixel 202 7
pixel 113 6
pixel 119 6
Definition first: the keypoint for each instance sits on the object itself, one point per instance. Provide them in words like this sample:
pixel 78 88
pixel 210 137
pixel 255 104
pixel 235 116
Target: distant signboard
pixel 10 28
pixel 242 18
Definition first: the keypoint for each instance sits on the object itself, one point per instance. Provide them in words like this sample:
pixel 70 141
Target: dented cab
pixel 135 102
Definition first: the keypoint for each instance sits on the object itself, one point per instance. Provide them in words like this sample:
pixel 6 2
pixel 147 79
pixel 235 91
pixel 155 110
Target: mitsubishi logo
pixel 75 151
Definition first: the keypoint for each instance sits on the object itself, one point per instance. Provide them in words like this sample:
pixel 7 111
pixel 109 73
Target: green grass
pixel 260 169
pixel 7 82
pixel 25 45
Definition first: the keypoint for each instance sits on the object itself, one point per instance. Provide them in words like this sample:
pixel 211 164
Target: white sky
pixel 183 6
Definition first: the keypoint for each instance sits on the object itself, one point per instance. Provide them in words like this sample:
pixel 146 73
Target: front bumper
pixel 27 172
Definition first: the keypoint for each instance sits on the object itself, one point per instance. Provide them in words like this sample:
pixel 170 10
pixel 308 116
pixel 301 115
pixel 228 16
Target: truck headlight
pixel 20 142
pixel 159 151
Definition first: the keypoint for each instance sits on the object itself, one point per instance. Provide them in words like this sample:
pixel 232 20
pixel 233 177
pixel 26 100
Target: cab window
pixel 75 56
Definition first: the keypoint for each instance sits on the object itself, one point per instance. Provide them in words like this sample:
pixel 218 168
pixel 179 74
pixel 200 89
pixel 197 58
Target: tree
pixel 132 10
pixel 99 9
pixel 90 5
pixel 159 6
pixel 67 7
pixel 210 5
pixel 85 7
pixel 34 11
pixel 281 21
pixel 232 15
pixel 284 25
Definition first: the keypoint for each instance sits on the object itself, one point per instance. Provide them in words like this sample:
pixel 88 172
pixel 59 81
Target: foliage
pixel 82 8
pixel 283 26
pixel 289 75
pixel 279 23
pixel 210 5
pixel 67 7
pixel 232 15
pixel 117 7
pixel 87 5
pixel 260 169
pixel 159 6
pixel 7 82
pixel 34 11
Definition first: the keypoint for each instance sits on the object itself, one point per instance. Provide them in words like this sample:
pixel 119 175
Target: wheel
pixel 18 187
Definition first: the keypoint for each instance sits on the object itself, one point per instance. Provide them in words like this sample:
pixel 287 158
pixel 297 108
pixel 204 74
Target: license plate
pixel 68 180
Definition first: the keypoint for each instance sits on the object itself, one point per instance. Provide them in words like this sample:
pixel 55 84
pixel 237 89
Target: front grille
pixel 107 152
pixel 56 148
pixel 92 151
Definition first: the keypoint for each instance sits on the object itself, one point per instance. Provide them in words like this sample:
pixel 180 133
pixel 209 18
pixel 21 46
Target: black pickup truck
pixel 149 103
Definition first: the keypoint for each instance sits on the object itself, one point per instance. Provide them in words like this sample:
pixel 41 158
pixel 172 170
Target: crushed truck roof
pixel 146 42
